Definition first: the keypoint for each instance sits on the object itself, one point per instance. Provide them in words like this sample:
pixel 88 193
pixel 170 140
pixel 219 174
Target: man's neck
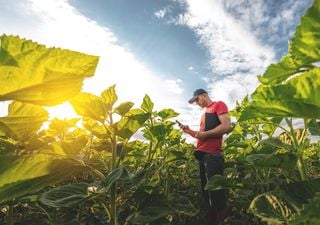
pixel 208 103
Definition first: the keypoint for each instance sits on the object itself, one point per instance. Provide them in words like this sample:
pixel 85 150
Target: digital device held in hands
pixel 180 124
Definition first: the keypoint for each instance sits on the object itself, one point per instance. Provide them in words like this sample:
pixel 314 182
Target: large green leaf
pixel 32 73
pixel 299 97
pixel 286 161
pixel 276 73
pixel 304 49
pixel 24 174
pixel 65 196
pixel 23 120
pixel 272 209
pixel 305 45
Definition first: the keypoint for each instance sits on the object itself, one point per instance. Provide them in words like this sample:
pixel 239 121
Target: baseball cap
pixel 196 93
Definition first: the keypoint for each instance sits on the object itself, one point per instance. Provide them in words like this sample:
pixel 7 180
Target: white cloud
pixel 161 13
pixel 56 23
pixel 236 56
pixel 190 68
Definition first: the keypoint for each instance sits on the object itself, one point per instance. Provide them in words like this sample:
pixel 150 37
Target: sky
pixel 163 48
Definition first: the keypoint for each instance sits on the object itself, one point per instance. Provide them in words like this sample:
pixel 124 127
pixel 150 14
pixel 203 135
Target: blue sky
pixel 166 48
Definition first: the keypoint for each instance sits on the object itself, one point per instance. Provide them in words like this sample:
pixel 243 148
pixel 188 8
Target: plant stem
pixel 300 161
pixel 113 188
pixel 10 213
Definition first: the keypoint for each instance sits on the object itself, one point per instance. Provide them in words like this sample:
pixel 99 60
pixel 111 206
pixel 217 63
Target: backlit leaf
pixel 23 120
pixel 91 106
pixel 33 73
pixel 147 104
pixel 109 96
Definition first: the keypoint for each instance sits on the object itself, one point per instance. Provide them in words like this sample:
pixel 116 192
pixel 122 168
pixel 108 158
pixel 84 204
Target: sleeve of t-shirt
pixel 221 108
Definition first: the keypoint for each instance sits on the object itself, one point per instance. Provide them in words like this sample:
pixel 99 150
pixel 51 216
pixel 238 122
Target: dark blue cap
pixel 196 93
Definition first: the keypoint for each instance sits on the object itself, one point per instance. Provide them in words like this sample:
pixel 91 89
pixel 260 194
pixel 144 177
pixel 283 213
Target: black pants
pixel 209 165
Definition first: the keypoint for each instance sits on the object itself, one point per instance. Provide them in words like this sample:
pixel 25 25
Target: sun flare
pixel 62 111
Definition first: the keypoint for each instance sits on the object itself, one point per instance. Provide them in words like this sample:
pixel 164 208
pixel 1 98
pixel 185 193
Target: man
pixel 213 124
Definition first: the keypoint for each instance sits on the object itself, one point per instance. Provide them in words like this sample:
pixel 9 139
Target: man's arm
pixel 222 128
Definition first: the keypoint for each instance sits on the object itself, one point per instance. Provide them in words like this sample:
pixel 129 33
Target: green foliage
pixel 310 212
pixel 291 87
pixel 65 196
pixel 23 120
pixel 35 74
pixel 147 104
pixel 272 209
pixel 24 174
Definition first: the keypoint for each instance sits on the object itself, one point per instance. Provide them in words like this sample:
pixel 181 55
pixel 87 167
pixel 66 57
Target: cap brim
pixel 193 99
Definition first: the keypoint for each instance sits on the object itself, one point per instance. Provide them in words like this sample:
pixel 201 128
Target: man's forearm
pixel 215 132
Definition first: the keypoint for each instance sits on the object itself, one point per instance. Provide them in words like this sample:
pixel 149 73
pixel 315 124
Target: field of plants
pixel 91 171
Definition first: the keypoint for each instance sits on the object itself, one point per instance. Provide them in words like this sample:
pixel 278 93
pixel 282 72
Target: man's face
pixel 201 101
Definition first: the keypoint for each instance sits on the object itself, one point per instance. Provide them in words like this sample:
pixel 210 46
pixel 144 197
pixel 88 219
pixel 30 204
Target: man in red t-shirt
pixel 213 124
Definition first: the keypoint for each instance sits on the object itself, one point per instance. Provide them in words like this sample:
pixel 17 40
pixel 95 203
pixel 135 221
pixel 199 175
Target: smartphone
pixel 180 124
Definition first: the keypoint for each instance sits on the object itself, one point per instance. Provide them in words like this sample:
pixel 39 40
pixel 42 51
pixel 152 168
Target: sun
pixel 62 111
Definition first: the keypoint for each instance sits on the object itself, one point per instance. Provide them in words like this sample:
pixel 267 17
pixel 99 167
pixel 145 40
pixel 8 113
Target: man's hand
pixel 187 130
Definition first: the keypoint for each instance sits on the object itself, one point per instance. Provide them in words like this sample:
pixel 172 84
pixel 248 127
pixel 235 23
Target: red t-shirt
pixel 208 121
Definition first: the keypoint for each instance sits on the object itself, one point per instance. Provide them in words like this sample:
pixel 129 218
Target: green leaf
pixel 46 76
pixel 277 73
pixel 167 114
pixel 147 104
pixel 72 148
pixel 95 128
pixel 271 125
pixel 130 123
pixel 304 49
pixel 299 192
pixel 313 127
pixel 286 161
pixel 181 204
pixel 309 213
pixel 296 98
pixel 123 108
pixel 160 131
pixel 109 96
pixel 114 176
pixel 148 215
pixel 175 155
pixel 6 146
pixel 272 209
pixel 305 45
pixel 275 142
pixel 91 106
pixel 25 174
pixel 59 128
pixel 65 196
pixel 23 120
